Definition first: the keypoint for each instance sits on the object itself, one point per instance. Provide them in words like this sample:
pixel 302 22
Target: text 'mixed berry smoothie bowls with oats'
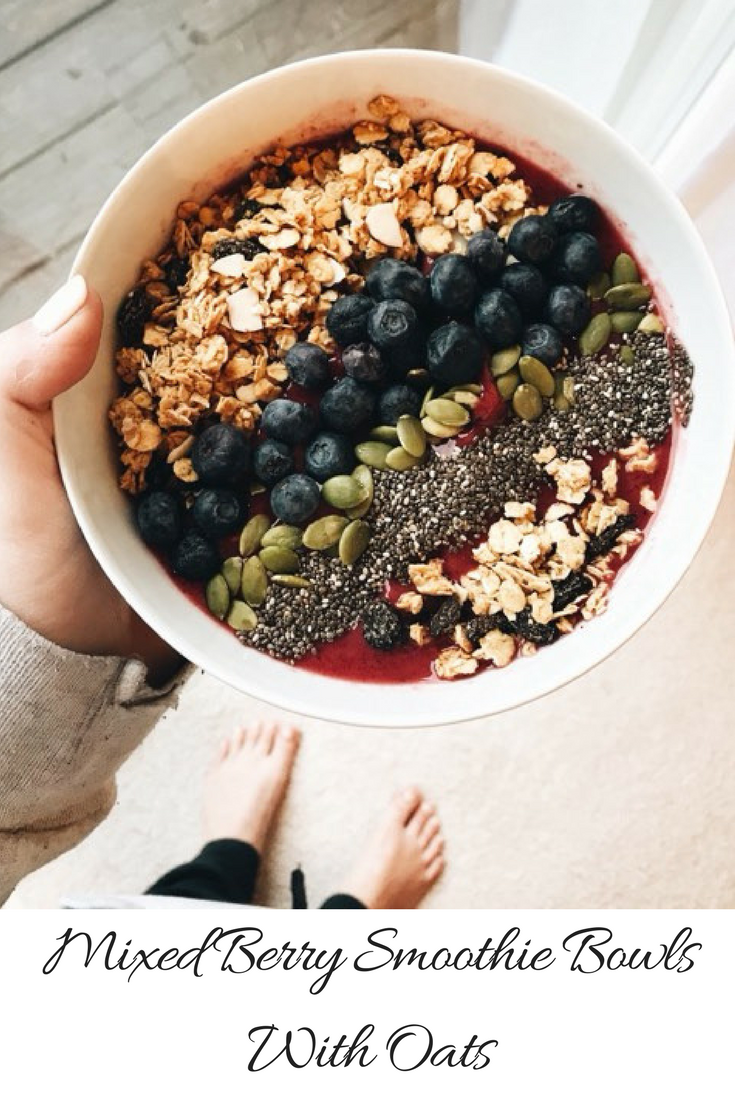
pixel 396 403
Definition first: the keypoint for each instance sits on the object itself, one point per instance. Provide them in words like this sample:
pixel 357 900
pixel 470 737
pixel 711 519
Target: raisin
pixel 570 589
pixel 382 626
pixel 228 246
pixel 608 537
pixel 530 629
pixel 132 314
pixel 477 628
pixel 248 208
pixel 176 270
pixel 446 617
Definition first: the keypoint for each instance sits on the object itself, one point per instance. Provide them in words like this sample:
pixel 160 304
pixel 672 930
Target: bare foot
pixel 403 858
pixel 247 783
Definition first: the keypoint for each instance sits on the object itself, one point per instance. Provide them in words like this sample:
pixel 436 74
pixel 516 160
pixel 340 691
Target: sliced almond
pixel 338 273
pixel 244 310
pixel 232 265
pixel 383 225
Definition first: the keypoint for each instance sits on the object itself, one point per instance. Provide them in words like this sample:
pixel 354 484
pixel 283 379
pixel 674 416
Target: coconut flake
pixel 338 272
pixel 232 265
pixel 244 311
pixel 383 225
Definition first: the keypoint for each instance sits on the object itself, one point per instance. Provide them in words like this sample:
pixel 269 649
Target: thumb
pixel 44 356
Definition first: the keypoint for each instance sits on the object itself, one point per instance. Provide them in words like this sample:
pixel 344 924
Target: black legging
pixel 225 872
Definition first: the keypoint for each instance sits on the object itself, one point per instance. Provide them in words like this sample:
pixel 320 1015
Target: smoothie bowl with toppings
pixel 396 392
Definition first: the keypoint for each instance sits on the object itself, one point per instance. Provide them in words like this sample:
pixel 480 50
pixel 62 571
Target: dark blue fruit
pixel 498 318
pixel 195 558
pixel 542 341
pixel 159 518
pixel 249 247
pixel 568 309
pixel 364 363
pixel 175 271
pixel 272 461
pixel 329 454
pixel 132 314
pixel 527 286
pixel 217 513
pixel 393 325
pixel 288 421
pixel 486 254
pixel 454 354
pixel 308 365
pixel 221 455
pixel 574 212
pixel 453 283
pixel 397 400
pixel 348 405
pixel 382 626
pixel 390 278
pixel 577 259
pixel 347 319
pixel 533 239
pixel 295 498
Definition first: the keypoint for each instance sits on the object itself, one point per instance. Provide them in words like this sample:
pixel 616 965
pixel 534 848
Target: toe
pixel 241 738
pixel 286 741
pixel 434 870
pixel 430 829
pixel 421 816
pixel 406 802
pixel 224 749
pixel 267 737
pixel 433 850
pixel 254 735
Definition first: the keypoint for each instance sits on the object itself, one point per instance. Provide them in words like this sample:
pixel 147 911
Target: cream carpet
pixel 617 791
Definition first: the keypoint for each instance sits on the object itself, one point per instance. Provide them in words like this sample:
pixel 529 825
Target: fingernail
pixel 62 306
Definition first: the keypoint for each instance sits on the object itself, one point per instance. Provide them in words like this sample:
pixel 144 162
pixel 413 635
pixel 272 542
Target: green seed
pixel 279 560
pixel 598 285
pixel 427 398
pixel 256 488
pixel 291 581
pixel 527 402
pixel 625 321
pixel 252 534
pixel 254 585
pixel 373 454
pixel 505 360
pixel 561 404
pixel 567 388
pixel 536 373
pixel 624 270
pixel 400 460
pixel 447 412
pixel 464 397
pixel 217 595
pixel 283 535
pixel 232 573
pixel 627 355
pixel 651 324
pixel 242 617
pixel 321 534
pixel 627 296
pixel 342 492
pixel 595 335
pixel 507 384
pixel 364 477
pixel 411 435
pixel 354 541
pixel 473 388
pixel 387 434
pixel 435 428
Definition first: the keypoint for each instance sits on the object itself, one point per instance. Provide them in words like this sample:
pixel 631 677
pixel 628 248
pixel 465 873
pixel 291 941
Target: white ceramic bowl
pixel 319 96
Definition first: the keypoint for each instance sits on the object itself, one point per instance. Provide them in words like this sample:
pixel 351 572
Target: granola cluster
pixel 217 322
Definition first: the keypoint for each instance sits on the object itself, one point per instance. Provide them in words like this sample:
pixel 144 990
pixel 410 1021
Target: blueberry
pixel 288 421
pixel 454 354
pixel 272 461
pixel 577 259
pixel 364 363
pixel 533 239
pixel 195 558
pixel 248 247
pixel 390 278
pixel 397 400
pixel 348 405
pixel 382 626
pixel 295 499
pixel 393 325
pixel 486 254
pixel 347 319
pixel 221 455
pixel 543 342
pixel 132 314
pixel 159 518
pixel 498 318
pixel 574 212
pixel 453 285
pixel 308 365
pixel 568 309
pixel 217 513
pixel 527 286
pixel 329 454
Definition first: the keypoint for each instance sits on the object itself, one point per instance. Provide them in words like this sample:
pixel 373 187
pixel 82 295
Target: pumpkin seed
pixel 465 398
pixel 625 321
pixel 505 360
pixel 427 398
pixel 291 581
pixel 373 453
pixel 252 534
pixel 256 488
pixel 434 428
pixel 354 541
pixel 527 402
pixel 321 534
pixel 595 335
pixel 627 355
pixel 283 535
pixel 411 436
pixel 400 460
pixel 598 285
pixel 342 492
pixel 627 296
pixel 232 573
pixel 364 477
pixel 473 388
pixel 387 434
pixel 217 595
pixel 447 412
pixel 537 374
pixel 279 560
pixel 651 324
pixel 561 404
pixel 624 270
pixel 242 617
pixel 507 384
pixel 254 584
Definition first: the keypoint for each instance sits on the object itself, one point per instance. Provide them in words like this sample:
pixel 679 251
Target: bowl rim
pixel 398 717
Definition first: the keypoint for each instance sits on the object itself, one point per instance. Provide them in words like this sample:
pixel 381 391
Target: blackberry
pixel 570 589
pixel 176 270
pixel 248 208
pixel 230 245
pixel 478 627
pixel 446 617
pixel 608 537
pixel 530 629
pixel 132 314
pixel 382 626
